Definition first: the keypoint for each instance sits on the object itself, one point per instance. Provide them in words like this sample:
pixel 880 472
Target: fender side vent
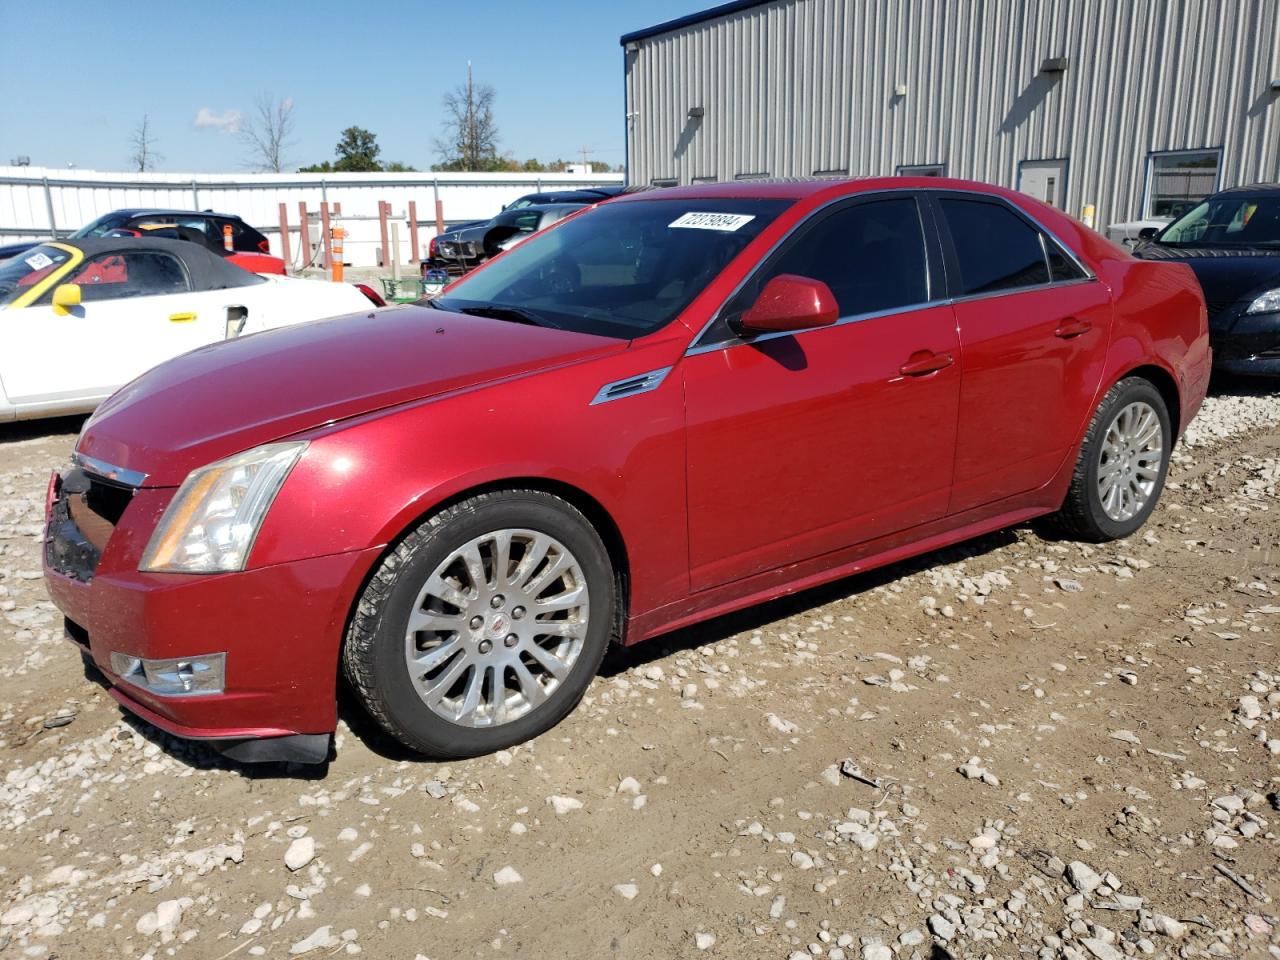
pixel 630 387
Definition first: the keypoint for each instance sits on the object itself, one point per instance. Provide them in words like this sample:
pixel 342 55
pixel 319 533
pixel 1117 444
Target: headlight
pixel 1269 302
pixel 213 520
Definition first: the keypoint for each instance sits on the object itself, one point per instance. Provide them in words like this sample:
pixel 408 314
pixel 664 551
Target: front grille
pixel 83 516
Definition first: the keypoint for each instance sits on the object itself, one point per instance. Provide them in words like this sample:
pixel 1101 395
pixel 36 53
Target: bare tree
pixel 144 155
pixel 470 140
pixel 267 133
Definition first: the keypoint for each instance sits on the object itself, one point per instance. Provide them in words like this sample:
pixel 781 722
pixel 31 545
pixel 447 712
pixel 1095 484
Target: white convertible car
pixel 78 319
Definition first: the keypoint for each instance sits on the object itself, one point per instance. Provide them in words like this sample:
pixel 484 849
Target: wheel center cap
pixel 499 624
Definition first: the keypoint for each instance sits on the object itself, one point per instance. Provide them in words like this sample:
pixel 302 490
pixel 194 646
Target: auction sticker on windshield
pixel 712 221
pixel 38 261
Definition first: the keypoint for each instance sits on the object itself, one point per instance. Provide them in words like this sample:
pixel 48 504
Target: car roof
pixel 798 188
pixel 1252 188
pixel 208 270
pixel 154 211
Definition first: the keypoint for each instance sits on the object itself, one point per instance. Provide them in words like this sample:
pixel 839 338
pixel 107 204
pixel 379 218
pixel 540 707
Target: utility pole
pixel 469 152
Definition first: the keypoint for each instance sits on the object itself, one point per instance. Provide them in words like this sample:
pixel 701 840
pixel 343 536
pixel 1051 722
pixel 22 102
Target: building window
pixel 664 181
pixel 1176 182
pixel 759 175
pixel 922 170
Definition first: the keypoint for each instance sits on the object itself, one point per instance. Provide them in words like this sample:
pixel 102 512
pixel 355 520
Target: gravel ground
pixel 1021 747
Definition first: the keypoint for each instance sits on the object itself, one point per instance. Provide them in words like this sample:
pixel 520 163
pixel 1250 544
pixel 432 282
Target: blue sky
pixel 78 82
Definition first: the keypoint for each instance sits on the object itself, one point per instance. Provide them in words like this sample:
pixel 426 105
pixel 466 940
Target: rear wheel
pixel 1122 464
pixel 484 626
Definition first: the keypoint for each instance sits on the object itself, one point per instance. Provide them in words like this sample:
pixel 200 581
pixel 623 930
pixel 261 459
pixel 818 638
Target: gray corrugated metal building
pixel 1133 106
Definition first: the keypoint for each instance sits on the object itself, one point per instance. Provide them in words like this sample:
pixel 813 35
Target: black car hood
pixel 1225 275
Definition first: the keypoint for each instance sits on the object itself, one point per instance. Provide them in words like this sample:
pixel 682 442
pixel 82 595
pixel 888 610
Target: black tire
pixel 374 653
pixel 1082 515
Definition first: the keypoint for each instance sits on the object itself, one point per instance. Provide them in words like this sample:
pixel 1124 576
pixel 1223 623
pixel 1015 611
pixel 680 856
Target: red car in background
pixel 671 406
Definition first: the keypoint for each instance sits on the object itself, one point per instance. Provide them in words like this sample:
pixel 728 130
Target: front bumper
pixel 1246 344
pixel 280 627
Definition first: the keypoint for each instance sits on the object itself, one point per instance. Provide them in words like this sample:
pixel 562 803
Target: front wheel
pixel 484 626
pixel 1122 464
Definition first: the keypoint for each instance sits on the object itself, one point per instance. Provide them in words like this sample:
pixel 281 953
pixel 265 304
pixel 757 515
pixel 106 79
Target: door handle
pixel 181 317
pixel 1072 327
pixel 924 365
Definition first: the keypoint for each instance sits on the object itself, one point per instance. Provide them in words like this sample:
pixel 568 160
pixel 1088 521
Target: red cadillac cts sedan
pixel 670 406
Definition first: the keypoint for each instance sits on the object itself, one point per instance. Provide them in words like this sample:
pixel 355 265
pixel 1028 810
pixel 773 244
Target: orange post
pixel 338 235
pixel 226 237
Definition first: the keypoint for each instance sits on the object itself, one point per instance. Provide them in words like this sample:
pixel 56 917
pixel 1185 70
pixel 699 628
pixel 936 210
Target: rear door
pixel 800 444
pixel 1034 325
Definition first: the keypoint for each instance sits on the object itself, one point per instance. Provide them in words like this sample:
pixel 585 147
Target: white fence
pixel 39 202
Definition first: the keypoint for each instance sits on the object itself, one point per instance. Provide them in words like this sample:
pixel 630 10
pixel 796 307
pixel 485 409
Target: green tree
pixel 357 151
pixel 395 166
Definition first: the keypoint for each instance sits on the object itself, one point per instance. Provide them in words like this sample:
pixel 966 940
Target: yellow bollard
pixel 338 234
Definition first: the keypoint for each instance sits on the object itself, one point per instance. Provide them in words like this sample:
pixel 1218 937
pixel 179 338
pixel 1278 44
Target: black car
pixel 467 246
pixel 581 195
pixel 128 222
pixel 1232 242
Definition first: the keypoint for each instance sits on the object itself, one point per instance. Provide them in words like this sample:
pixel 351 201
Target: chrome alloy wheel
pixel 1129 464
pixel 497 627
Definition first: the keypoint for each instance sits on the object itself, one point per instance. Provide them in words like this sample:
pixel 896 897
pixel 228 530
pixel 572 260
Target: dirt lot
pixel 1077 752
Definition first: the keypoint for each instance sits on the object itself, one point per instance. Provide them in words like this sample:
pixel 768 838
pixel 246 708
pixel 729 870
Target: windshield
pixel 1227 221
pixel 621 270
pixel 101 227
pixel 24 271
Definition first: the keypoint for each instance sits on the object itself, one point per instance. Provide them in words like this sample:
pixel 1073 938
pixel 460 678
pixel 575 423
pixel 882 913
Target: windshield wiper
pixel 497 311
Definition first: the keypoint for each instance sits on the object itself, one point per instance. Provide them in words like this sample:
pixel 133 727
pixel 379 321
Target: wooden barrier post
pixel 384 210
pixel 305 241
pixel 413 233
pixel 324 233
pixel 284 235
pixel 439 217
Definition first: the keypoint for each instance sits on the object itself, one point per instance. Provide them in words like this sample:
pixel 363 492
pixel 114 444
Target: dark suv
pixel 243 237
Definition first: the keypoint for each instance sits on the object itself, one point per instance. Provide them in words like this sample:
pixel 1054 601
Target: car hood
pixel 228 397
pixel 1225 275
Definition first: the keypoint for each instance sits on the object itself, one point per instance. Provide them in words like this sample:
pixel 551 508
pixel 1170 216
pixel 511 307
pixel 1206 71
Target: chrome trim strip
pixel 695 348
pixel 109 471
pixel 842 321
pixel 631 386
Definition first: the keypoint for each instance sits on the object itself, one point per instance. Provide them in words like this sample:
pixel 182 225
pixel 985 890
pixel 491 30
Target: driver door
pixel 137 309
pixel 801 444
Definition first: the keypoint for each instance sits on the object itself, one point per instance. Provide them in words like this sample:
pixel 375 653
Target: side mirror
pixel 66 296
pixel 789 302
pixel 1148 233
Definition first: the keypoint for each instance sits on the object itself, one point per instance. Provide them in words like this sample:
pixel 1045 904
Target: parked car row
pixel 467 245
pixel 671 405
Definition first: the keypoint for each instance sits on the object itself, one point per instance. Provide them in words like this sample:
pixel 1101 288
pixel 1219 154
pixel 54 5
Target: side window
pixel 117 275
pixel 1061 266
pixel 871 255
pixel 994 247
